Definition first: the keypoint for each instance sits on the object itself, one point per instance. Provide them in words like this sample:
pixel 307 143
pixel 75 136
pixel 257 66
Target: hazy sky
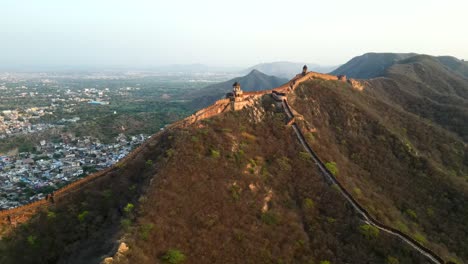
pixel 218 32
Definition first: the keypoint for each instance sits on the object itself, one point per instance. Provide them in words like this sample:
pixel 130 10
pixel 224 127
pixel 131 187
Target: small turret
pixel 304 70
pixel 342 78
pixel 236 90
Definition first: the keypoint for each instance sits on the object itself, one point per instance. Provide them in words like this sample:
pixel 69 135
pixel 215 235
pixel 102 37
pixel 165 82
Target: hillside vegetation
pixel 237 188
pixel 423 86
pixel 372 65
pixel 411 173
pixel 240 188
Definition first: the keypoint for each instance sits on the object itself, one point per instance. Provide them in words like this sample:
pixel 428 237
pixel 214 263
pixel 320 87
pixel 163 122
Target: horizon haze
pixel 124 34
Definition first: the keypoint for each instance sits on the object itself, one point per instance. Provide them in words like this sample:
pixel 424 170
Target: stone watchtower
pixel 237 92
pixel 304 70
pixel 237 97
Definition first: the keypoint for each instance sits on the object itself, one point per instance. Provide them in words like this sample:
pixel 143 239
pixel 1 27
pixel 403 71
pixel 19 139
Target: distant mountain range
pixel 254 81
pixel 287 69
pixel 371 65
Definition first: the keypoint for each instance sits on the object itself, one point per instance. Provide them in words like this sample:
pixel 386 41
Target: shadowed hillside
pixel 410 173
pixel 370 65
pixel 423 86
pixel 84 224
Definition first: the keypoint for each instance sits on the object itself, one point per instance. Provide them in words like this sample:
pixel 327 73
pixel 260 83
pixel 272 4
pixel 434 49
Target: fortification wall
pixel 368 218
pixel 22 213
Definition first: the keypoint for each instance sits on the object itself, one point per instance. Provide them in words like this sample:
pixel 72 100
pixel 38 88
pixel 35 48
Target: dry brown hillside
pixel 408 172
pixel 238 187
pixel 254 196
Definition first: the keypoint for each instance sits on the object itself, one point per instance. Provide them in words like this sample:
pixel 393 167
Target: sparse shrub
pixel 129 208
pixel 269 218
pixel 411 214
pixel 253 162
pixel 145 231
pixel 51 215
pixel 82 216
pixel 173 256
pixel 369 231
pixel 149 163
pixel 454 261
pixel 335 187
pixel 402 227
pixel 392 260
pixel 308 203
pixel 331 220
pixel 238 234
pixel 194 139
pixel 357 191
pixel 235 191
pixel 239 155
pixel 300 243
pixel 249 136
pixel 305 155
pixel 331 166
pixel 170 153
pixel 420 238
pixel 215 154
pixel 107 193
pixel 32 240
pixel 126 224
pixel 264 171
pixel 430 211
pixel 309 137
pixel 284 164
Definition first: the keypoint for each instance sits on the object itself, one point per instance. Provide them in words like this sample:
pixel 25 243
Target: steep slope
pixel 254 197
pixel 370 65
pixel 423 86
pixel 455 65
pixel 240 188
pixel 254 81
pixel 237 188
pixel 409 173
pixel 285 69
pixel 84 223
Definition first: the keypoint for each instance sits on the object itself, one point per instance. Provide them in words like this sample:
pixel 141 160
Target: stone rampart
pixel 22 213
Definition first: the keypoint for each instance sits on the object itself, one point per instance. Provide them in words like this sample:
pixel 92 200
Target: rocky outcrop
pixel 357 85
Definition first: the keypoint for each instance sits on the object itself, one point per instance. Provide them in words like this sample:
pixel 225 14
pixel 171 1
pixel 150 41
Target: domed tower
pixel 236 90
pixel 304 70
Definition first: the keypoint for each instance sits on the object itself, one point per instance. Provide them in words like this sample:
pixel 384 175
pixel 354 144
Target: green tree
pixel 331 166
pixel 173 256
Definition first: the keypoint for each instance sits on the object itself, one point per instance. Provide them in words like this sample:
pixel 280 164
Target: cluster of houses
pixel 14 122
pixel 27 177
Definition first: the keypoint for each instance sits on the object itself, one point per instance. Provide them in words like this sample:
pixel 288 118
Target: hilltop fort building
pixel 304 70
pixel 236 97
